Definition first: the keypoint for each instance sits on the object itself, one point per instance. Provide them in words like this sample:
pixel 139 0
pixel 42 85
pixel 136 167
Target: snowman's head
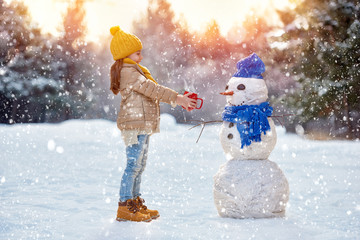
pixel 245 91
pixel 247 86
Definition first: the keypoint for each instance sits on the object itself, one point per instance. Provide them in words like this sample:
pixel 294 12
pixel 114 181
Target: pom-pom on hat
pixel 123 44
pixel 250 67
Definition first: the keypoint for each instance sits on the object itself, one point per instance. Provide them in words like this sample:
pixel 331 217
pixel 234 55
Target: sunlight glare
pixel 102 14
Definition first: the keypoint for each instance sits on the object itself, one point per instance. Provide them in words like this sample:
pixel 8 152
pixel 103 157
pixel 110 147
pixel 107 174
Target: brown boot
pixel 129 211
pixel 143 209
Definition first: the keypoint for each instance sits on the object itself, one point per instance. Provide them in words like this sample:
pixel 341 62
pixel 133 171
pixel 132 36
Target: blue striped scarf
pixel 251 121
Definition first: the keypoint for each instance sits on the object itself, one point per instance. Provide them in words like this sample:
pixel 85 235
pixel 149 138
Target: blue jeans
pixel 136 161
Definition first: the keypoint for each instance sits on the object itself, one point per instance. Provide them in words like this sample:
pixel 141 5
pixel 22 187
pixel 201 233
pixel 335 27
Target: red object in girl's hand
pixel 194 96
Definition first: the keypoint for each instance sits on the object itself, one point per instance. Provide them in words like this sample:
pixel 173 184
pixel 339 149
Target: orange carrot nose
pixel 227 93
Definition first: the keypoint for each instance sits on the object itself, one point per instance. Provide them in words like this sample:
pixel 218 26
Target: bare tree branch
pixel 203 123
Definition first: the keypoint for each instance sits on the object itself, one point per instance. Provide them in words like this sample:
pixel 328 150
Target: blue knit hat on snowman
pixel 250 67
pixel 251 120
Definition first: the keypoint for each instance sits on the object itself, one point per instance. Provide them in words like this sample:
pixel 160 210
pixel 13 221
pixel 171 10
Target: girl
pixel 138 118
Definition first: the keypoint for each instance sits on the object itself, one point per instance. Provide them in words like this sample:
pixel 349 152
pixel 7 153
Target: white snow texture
pixel 250 189
pixel 61 181
pixel 256 150
pixel 255 91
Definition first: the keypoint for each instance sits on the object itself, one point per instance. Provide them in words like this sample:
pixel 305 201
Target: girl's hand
pixel 185 101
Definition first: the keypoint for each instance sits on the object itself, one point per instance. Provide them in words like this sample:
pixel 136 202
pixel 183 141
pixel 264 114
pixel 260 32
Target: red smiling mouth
pixel 227 93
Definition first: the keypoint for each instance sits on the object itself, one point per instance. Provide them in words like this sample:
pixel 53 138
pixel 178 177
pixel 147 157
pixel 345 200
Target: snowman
pixel 249 185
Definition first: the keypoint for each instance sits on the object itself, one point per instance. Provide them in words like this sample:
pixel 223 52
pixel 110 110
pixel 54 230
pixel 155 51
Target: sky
pixel 102 14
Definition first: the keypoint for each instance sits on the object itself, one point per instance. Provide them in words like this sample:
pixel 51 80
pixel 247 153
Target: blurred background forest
pixel 312 65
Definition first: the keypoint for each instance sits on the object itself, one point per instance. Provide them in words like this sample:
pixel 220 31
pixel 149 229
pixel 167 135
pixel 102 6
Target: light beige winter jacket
pixel 140 97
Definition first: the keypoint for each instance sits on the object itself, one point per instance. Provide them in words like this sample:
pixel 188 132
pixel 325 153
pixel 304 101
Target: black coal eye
pixel 241 87
pixel 227 87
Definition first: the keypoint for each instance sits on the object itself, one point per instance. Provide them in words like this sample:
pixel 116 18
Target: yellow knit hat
pixel 123 44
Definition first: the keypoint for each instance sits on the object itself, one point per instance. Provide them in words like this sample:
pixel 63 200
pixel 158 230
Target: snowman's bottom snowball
pixel 250 189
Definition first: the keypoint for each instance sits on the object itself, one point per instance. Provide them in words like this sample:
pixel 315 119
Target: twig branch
pixel 202 129
pixel 283 117
pixel 203 123
pixel 277 119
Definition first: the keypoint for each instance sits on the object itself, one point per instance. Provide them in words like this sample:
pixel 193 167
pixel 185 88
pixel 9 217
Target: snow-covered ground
pixel 61 181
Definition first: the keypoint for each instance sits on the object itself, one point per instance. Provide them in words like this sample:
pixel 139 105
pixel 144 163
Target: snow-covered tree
pixel 323 54
pixel 43 79
pixel 26 81
pixel 80 73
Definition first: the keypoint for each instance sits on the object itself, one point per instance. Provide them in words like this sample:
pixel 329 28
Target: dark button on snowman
pixel 249 185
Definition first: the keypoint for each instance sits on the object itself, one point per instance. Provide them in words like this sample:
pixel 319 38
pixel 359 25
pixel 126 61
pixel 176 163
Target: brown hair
pixel 115 72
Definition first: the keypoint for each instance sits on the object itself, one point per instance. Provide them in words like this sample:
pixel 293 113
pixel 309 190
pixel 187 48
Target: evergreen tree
pixel 43 79
pixel 80 72
pixel 25 80
pixel 323 54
